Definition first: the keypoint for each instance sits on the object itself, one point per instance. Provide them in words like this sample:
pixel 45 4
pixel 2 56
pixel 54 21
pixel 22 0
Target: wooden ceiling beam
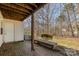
pixel 13 10
pixel 39 4
pixel 24 6
pixel 26 10
pixel 13 6
pixel 34 5
pixel 12 15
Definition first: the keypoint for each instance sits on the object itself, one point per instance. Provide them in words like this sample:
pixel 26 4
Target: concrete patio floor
pixel 24 49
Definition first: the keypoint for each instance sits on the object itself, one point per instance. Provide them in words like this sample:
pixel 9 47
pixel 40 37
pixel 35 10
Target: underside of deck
pixel 24 49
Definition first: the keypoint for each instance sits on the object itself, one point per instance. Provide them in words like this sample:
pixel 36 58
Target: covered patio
pixel 18 12
pixel 46 37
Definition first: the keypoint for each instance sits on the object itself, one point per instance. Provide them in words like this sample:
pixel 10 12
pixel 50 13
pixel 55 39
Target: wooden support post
pixel 32 32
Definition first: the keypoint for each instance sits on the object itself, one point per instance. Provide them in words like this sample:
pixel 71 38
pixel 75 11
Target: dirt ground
pixel 67 42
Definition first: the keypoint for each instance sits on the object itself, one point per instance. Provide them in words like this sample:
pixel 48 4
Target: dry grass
pixel 67 42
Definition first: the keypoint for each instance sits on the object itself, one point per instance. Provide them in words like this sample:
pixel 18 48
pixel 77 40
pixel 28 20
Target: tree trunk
pixel 75 19
pixel 70 23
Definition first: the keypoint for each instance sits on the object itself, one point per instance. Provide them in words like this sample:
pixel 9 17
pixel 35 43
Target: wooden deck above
pixel 19 11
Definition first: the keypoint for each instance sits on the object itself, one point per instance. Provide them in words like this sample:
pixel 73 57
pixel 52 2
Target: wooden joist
pixel 25 6
pixel 13 16
pixel 15 7
pixel 11 9
pixel 24 9
pixel 34 5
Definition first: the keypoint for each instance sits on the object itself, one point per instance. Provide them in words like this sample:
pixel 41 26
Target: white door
pixel 1 41
pixel 8 32
pixel 19 31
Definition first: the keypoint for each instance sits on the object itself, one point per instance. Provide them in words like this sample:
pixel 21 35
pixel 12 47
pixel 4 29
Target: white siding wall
pixel 8 30
pixel 1 18
pixel 17 33
pixel 0 36
pixel 15 28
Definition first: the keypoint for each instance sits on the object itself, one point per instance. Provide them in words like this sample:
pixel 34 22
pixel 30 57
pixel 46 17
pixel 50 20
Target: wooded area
pixel 56 23
pixel 57 20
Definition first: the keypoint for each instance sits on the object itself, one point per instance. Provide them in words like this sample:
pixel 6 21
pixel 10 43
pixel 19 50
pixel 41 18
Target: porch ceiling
pixel 19 11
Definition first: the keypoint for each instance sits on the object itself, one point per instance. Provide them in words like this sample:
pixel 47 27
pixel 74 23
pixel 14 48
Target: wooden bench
pixel 46 43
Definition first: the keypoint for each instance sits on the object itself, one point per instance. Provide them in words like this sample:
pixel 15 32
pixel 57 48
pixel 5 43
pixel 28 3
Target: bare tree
pixel 74 12
pixel 67 8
